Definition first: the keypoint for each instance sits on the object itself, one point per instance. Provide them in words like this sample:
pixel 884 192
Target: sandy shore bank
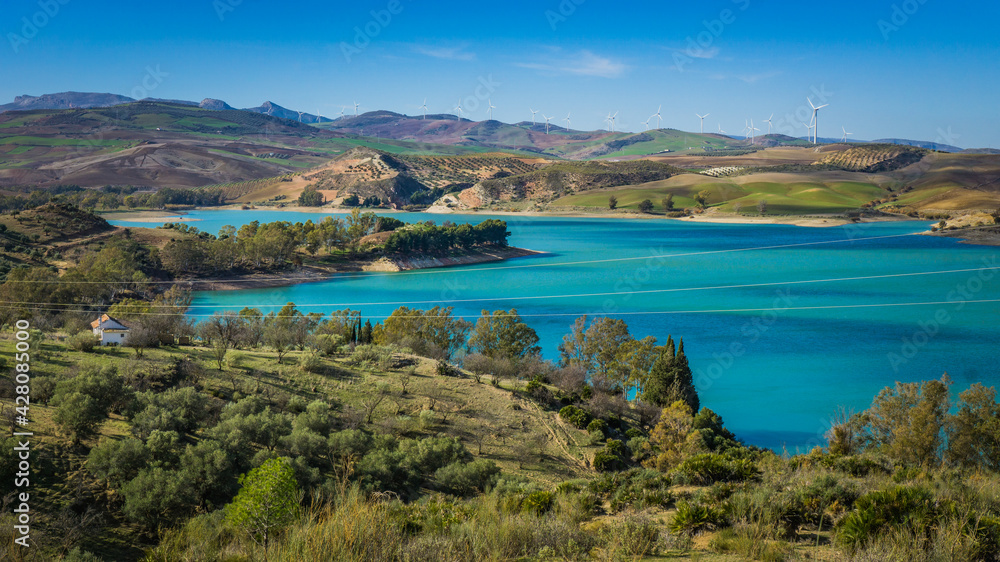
pixel 979 236
pixel 149 216
pixel 710 216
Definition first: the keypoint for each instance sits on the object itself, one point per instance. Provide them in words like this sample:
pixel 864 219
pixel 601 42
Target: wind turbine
pixel 658 116
pixel 809 127
pixel 547 119
pixel 746 129
pixel 424 107
pixel 458 110
pixel 533 112
pixel 300 115
pixel 613 117
pixel 721 132
pixel 702 117
pixel 846 134
pixel 611 127
pixel 769 123
pixel 342 110
pixel 815 118
pixel 647 122
pixel 568 122
pixel 753 137
pixel 356 106
pixel 490 109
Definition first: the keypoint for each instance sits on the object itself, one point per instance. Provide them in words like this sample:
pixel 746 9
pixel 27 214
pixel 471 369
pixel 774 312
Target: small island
pixel 283 253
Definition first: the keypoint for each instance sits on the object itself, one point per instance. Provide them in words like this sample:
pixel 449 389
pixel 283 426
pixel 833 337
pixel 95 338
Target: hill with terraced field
pixel 874 158
pixel 825 179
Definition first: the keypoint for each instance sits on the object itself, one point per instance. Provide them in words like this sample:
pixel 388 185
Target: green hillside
pixel 791 196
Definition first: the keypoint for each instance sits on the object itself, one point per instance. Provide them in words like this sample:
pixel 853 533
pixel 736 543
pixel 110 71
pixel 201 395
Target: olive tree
pixel 267 502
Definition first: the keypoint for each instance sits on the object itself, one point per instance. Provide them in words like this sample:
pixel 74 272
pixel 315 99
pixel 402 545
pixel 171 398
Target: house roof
pixel 105 322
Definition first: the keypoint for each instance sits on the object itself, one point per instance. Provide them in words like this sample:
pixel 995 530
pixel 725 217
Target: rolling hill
pixel 558 142
pixel 263 156
pixel 153 144
pixel 830 179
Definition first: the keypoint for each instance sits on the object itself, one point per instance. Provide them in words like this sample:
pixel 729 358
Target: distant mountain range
pixel 921 144
pixel 450 130
pixel 86 100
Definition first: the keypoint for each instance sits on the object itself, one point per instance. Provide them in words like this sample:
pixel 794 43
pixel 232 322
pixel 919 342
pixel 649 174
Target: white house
pixel 109 330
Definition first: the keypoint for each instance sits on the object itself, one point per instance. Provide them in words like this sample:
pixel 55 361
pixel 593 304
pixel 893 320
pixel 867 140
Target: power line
pixel 479 269
pixel 644 313
pixel 578 295
pixel 616 293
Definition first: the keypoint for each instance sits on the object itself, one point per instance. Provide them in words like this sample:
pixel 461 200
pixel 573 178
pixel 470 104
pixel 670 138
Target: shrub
pixel 371 356
pixel 427 419
pixel 634 536
pixel 741 541
pixel 900 506
pixel 467 479
pixel 77 555
pixel 537 502
pixel 824 492
pixel 769 514
pixel 445 369
pixel 635 488
pixel 710 468
pixel 311 363
pixel 327 344
pixel 614 456
pixel 598 425
pixel 692 517
pixel 578 417
pixel 567 412
pixel 84 341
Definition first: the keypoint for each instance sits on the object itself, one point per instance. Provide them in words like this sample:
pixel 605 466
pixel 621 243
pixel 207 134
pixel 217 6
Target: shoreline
pixel 975 236
pixel 313 273
pixel 710 217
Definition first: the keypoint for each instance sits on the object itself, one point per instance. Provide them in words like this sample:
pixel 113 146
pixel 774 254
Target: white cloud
pixel 458 53
pixel 584 63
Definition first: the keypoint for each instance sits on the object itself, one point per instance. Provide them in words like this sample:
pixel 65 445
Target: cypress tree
pixel 671 379
pixel 366 332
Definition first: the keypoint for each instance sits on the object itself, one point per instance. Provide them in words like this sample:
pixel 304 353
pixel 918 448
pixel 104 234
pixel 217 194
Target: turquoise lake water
pixel 774 357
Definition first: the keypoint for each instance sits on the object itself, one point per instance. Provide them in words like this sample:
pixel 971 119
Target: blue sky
pixel 920 69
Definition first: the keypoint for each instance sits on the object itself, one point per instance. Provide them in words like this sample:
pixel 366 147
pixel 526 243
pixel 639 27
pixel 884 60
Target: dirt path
pixel 554 435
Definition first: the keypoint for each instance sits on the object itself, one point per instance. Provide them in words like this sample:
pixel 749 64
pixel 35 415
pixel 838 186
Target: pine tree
pixel 366 332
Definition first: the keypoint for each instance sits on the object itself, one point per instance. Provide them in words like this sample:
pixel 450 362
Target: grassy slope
pixel 469 408
pixel 464 409
pixel 663 139
pixel 785 193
